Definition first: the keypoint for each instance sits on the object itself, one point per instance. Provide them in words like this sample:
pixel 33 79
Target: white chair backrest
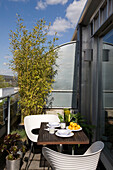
pixel 95 147
pixel 59 161
pixel 34 121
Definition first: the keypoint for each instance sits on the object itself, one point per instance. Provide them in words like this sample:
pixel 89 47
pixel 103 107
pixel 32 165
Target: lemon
pixel 69 127
pixel 74 124
pixel 71 123
pixel 78 126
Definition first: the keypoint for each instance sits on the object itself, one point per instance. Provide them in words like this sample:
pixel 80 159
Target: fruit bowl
pixel 74 130
pixel 74 127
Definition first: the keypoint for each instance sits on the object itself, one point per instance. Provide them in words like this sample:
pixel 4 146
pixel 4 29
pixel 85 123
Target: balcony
pixel 38 162
pixel 65 95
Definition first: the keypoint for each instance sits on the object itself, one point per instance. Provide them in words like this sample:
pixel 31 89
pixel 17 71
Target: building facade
pixel 94 48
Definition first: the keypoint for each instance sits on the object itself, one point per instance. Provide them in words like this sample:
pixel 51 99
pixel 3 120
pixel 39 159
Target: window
pixel 107 92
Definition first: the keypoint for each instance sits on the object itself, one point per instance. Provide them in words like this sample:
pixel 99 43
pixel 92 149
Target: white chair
pixel 33 122
pixel 87 161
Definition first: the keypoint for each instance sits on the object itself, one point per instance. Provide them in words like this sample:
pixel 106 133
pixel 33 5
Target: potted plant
pixel 34 61
pixel 88 128
pixel 66 117
pixel 11 145
pixel 61 117
pixel 77 118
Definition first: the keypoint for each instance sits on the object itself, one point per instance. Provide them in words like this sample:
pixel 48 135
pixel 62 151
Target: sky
pixel 63 15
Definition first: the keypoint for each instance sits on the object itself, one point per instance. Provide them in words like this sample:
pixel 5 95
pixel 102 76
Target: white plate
pixel 53 124
pixel 74 130
pixel 64 136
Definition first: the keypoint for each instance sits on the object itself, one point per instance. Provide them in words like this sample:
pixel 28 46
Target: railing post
pixel 8 123
pixel 4 116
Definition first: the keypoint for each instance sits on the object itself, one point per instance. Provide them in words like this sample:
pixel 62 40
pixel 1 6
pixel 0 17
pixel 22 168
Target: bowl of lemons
pixel 74 127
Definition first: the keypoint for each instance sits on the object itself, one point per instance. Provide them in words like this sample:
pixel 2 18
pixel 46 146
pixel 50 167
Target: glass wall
pixel 107 92
pixel 64 87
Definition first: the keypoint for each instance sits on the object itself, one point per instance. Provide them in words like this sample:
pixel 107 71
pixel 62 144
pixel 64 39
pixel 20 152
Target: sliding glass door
pixel 107 91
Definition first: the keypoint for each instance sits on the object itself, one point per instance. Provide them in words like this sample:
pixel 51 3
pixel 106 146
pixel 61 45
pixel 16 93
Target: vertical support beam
pixel 8 124
pixel 4 113
pixel 107 11
pixel 93 26
pixel 79 57
pixel 99 20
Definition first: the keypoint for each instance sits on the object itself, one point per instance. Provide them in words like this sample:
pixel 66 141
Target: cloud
pixel 74 10
pixel 7 57
pixel 43 4
pixel 18 0
pixel 70 20
pixel 5 64
pixel 60 25
pixel 6 72
pixel 53 2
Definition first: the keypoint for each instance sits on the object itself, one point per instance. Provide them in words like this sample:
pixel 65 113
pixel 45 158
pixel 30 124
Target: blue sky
pixel 63 15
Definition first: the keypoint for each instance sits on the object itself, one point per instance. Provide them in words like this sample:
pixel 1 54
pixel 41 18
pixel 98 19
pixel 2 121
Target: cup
pixel 63 125
pixel 51 130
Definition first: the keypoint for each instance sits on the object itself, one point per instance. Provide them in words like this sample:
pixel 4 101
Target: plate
pixel 53 124
pixel 74 130
pixel 64 136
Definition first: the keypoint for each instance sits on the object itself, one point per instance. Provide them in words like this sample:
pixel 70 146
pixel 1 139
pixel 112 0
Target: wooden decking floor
pixel 38 162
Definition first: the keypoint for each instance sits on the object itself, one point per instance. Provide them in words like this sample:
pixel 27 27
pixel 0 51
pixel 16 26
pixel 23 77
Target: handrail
pixel 63 91
pixel 107 91
pixel 8 95
pixel 8 105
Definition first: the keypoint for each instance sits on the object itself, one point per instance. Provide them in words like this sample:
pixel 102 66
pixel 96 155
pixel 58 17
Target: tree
pixel 3 83
pixel 34 59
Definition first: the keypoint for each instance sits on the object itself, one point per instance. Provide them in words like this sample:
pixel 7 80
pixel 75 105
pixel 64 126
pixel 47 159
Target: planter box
pixel 13 164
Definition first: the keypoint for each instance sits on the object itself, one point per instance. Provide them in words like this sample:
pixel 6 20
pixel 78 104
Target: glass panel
pixel 107 80
pixel 60 99
pixel 64 85
pixel 3 111
pixel 65 62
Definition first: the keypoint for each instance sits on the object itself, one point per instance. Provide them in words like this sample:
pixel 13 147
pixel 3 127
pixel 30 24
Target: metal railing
pixel 8 116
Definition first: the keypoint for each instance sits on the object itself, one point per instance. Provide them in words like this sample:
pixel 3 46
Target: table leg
pixel 60 148
pixel 73 150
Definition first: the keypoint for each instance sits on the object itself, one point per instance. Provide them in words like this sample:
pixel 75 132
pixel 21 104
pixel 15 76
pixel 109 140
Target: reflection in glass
pixel 107 82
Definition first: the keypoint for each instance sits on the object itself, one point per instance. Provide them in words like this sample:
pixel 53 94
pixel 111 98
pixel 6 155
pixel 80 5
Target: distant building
pixel 11 80
pixel 6 91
